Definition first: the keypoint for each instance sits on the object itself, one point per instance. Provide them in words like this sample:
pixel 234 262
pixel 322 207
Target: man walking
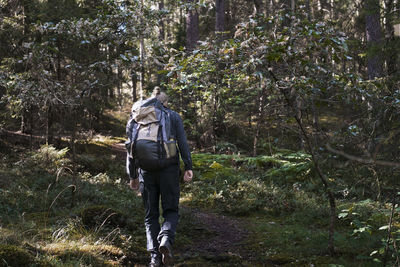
pixel 160 181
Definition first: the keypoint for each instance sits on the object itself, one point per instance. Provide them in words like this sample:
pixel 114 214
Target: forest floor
pixel 238 211
pixel 216 237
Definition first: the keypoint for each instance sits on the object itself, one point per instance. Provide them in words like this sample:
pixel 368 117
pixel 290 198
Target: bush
pixel 14 256
pixel 241 185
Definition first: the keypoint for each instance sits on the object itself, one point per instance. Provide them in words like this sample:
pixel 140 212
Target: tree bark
pixel 374 38
pixel 309 9
pixel 74 167
pixel 269 6
pixel 288 7
pixel 47 124
pixel 258 7
pixel 391 55
pixel 220 19
pixel 192 26
pixel 134 86
pixel 219 15
pixel 23 122
pixel 162 26
pixel 142 69
pixel 260 116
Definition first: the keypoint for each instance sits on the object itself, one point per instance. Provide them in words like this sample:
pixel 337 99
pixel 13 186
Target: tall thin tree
pixel 390 42
pixel 220 18
pixel 192 25
pixel 373 32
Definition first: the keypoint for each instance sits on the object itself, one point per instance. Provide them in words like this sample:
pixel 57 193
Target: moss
pixel 14 256
pixel 281 258
pixel 96 216
pixel 43 263
pixel 84 258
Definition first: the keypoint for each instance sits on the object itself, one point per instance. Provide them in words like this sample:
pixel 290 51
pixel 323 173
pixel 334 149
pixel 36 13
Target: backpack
pixel 149 132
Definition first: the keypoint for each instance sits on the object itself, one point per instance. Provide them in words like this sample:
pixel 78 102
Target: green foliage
pixel 62 61
pixel 99 216
pixel 35 208
pixel 49 159
pixel 369 221
pixel 63 69
pixel 242 185
pixel 15 256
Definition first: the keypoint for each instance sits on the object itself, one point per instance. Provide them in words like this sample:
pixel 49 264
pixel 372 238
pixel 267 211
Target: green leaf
pixel 385 227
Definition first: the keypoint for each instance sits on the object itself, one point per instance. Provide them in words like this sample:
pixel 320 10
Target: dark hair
pixel 161 96
pixel 156 91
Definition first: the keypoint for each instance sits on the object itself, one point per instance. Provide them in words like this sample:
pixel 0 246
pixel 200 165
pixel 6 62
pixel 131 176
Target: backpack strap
pixel 134 135
pixel 163 126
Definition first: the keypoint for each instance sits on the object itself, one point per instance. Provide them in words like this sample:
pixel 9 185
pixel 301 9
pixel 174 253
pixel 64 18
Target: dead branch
pixel 363 160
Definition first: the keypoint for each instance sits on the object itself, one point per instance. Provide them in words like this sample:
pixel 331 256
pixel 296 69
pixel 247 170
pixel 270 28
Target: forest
pixel 291 110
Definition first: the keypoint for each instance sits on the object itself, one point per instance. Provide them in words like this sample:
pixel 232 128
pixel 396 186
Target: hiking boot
pixel 155 260
pixel 166 251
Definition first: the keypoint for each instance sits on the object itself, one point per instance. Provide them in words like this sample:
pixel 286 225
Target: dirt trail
pixel 119 149
pixel 224 236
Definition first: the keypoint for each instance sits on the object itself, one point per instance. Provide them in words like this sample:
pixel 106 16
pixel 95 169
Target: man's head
pixel 161 96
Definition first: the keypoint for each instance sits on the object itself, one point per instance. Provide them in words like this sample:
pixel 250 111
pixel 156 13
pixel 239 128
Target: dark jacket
pixel 178 132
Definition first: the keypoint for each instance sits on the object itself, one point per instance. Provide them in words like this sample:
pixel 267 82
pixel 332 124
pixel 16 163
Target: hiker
pixel 160 176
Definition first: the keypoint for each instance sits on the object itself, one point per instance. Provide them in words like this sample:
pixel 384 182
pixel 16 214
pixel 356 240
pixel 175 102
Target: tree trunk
pixel 192 26
pixel 270 7
pixel 113 74
pixel 161 37
pixel 391 53
pixel 321 174
pixel 374 38
pixel 142 54
pixel 309 9
pixel 219 16
pixel 220 19
pixel 47 124
pixel 142 70
pixel 134 86
pixel 74 168
pixel 258 7
pixel 260 116
pixel 162 26
pixel 119 84
pixel 287 7
pixel 23 122
pixel 229 26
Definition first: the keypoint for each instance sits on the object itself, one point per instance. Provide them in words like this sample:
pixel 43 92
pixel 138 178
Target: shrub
pixel 14 256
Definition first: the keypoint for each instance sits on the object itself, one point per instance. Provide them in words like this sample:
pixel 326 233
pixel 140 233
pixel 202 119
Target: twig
pixel 324 180
pixel 105 220
pixel 389 229
pixel 362 160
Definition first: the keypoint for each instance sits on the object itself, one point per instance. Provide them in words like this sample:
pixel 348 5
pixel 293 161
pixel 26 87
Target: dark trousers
pixel 164 183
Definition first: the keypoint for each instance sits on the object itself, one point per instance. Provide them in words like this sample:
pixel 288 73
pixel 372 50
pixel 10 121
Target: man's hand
pixel 134 184
pixel 188 176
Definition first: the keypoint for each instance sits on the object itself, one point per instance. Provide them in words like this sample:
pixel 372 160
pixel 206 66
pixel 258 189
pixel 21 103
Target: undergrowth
pixel 284 205
pixel 62 213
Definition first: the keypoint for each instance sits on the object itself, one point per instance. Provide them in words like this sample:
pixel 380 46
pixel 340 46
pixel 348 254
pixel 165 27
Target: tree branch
pixel 362 160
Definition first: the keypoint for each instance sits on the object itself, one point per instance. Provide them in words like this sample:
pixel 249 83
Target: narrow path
pixel 216 240
pixel 214 237
pixel 227 234
pixel 119 149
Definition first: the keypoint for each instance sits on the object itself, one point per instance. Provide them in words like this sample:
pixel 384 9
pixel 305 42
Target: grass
pixel 286 216
pixel 288 219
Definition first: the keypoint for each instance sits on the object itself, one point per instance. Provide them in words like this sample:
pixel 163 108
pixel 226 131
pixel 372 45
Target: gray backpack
pixel 150 142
